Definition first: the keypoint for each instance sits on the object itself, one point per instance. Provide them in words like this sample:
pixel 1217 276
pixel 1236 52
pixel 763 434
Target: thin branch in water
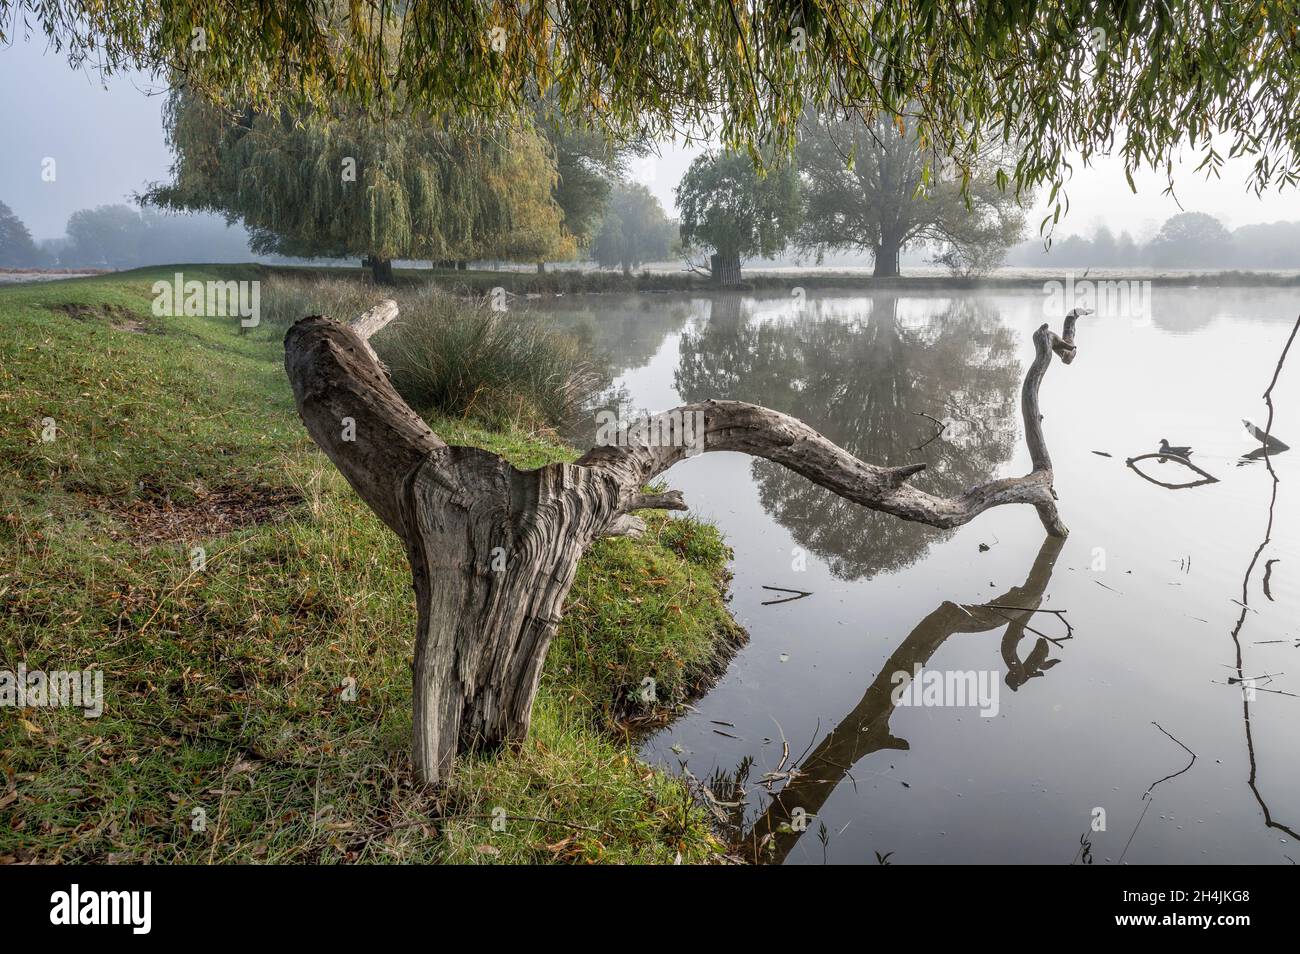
pixel 799 594
pixel 1252 780
pixel 1180 771
pixel 940 427
pixel 1054 640
pixel 1206 477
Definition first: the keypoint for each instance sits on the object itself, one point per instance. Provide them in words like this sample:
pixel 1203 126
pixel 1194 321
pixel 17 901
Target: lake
pixel 1080 748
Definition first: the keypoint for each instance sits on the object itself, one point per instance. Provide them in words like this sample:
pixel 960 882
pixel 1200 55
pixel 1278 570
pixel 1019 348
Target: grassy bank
pixel 257 700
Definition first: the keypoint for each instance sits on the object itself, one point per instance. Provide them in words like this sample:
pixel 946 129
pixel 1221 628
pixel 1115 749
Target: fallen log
pixel 493 550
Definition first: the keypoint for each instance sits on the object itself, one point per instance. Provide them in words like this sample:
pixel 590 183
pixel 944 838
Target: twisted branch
pixel 763 432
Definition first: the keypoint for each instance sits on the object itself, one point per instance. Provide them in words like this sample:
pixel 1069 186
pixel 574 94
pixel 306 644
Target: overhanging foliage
pixel 1061 77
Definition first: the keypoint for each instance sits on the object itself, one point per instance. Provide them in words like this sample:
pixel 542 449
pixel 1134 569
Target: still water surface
pixel 1151 580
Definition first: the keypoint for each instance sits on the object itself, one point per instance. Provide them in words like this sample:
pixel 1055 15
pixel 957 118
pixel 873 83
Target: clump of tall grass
pixel 458 357
pixel 461 358
pixel 287 298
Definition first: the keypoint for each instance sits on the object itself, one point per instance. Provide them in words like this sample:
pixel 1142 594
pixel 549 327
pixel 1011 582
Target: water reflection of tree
pixel 864 378
pixel 1242 679
pixel 624 333
pixel 770 838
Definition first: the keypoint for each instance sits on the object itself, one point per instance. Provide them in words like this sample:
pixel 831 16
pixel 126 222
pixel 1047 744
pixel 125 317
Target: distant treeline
pixel 119 236
pixel 1186 240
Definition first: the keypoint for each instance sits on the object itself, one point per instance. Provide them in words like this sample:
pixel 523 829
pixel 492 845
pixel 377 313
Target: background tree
pixel 1105 246
pixel 635 230
pixel 588 165
pixel 109 235
pixel 1271 245
pixel 1191 239
pixel 731 212
pixel 873 185
pixel 17 250
pixel 351 184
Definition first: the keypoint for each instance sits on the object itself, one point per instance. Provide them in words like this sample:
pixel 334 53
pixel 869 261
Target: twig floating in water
pixel 800 594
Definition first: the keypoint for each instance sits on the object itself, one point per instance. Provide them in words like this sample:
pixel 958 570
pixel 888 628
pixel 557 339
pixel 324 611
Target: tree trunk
pixel 493 550
pixel 541 268
pixel 725 268
pixel 886 256
pixel 381 269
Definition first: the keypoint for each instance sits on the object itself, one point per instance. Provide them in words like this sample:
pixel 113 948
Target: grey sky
pixel 108 143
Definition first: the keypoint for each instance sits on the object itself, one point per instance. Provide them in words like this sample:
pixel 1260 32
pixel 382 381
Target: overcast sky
pixel 108 144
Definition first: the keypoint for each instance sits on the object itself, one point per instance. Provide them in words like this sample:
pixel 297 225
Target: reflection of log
pixel 866 728
pixel 1206 478
pixel 493 550
pixel 1253 779
pixel 762 432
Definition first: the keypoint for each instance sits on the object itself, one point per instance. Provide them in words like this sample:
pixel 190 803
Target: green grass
pixel 224 692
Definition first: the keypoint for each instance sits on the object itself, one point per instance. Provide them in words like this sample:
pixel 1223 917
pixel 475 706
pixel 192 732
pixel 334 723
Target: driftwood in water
pixel 1206 477
pixel 493 549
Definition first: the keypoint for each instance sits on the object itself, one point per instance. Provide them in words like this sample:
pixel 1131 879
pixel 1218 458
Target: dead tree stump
pixel 493 550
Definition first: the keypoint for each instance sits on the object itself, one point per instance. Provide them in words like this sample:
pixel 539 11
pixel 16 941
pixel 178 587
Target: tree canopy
pixel 335 185
pixel 588 164
pixel 17 250
pixel 635 229
pixel 1141 78
pixel 732 212
pixel 1191 239
pixel 872 184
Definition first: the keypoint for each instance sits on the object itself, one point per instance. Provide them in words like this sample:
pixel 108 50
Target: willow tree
pixel 1143 79
pixel 349 184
